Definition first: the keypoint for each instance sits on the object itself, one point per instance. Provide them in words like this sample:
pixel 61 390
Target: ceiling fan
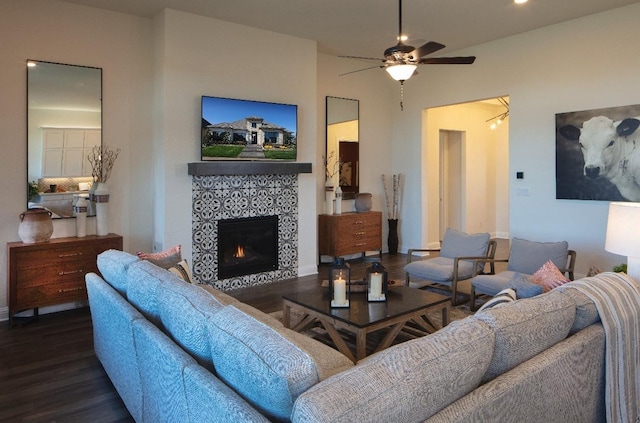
pixel 401 60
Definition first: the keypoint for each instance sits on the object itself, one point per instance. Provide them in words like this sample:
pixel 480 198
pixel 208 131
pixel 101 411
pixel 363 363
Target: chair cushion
pixel 526 327
pixel 492 284
pixel 528 256
pixel 439 269
pixel 460 244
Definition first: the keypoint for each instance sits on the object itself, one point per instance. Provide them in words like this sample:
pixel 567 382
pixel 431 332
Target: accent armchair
pixel 525 257
pixel 462 256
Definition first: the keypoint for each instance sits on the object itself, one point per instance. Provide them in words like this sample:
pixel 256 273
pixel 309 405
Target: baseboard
pixel 4 314
pixel 308 270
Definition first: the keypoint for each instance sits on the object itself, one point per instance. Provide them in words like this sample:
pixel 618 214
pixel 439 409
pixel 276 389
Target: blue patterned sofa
pixel 188 353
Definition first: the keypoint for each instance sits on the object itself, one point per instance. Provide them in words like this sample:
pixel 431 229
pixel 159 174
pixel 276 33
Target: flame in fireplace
pixel 239 253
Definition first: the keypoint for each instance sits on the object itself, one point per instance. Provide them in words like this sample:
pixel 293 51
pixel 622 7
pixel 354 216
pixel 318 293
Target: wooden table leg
pixel 286 314
pixel 338 341
pixel 445 315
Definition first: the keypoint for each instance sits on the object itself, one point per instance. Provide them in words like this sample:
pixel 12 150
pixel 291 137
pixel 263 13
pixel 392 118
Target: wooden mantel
pixel 239 167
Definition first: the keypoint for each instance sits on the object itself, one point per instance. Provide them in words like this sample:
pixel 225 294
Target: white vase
pixel 328 196
pixel 101 197
pixel 80 210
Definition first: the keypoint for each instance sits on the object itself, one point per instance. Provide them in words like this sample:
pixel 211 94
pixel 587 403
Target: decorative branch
pixel 392 194
pixel 102 159
pixel 331 169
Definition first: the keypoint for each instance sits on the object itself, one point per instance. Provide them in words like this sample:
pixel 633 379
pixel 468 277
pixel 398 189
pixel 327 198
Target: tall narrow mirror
pixel 343 154
pixel 64 123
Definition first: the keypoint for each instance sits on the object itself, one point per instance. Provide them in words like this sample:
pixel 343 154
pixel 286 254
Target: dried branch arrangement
pixel 102 159
pixel 392 191
pixel 331 166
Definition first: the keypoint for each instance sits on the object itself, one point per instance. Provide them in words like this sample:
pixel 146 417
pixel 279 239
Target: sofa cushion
pixel 222 297
pixel 182 271
pixel 407 382
pixel 164 259
pixel 526 327
pixel 144 280
pixel 113 265
pixel 268 368
pixel 586 311
pixel 528 256
pixel 548 277
pixel 503 297
pixel 184 310
pixel 439 269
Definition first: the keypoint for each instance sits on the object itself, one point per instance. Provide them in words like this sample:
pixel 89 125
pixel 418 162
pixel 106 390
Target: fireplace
pixel 247 245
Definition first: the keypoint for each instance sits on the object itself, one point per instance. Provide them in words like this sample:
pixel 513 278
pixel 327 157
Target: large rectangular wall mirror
pixel 343 154
pixel 64 123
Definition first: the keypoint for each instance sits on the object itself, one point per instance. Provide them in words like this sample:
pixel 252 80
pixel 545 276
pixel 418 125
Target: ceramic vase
pixel 80 210
pixel 35 226
pixel 363 202
pixel 328 196
pixel 101 197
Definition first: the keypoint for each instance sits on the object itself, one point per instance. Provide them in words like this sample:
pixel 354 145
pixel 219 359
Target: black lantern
pixel 339 279
pixel 377 282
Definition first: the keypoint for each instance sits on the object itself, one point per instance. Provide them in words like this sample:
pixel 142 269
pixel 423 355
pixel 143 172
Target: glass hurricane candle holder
pixel 339 279
pixel 377 282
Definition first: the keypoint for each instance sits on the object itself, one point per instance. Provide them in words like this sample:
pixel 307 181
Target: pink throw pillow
pixel 549 277
pixel 165 259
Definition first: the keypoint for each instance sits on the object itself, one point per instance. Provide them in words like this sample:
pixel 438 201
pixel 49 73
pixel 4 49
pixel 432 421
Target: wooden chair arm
pixel 421 250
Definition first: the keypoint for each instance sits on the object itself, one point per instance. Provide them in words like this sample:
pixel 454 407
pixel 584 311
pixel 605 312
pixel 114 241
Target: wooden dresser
pixel 349 233
pixel 49 273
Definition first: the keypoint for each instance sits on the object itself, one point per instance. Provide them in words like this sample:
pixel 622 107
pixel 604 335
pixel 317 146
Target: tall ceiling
pixel 368 27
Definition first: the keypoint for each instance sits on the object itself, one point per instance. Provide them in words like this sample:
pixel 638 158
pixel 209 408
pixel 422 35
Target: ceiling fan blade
pixel 428 48
pixel 362 58
pixel 360 70
pixel 448 60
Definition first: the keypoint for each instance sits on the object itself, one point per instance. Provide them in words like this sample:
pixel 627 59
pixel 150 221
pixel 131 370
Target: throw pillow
pixel 524 287
pixel 165 259
pixel 503 297
pixel 549 277
pixel 182 271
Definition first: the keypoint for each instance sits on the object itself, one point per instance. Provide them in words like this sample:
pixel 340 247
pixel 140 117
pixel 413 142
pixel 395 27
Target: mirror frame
pixel 349 157
pixel 88 84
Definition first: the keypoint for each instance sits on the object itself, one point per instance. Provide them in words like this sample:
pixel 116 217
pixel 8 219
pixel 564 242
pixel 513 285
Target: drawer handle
pixel 359 222
pixel 62 291
pixel 71 272
pixel 361 233
pixel 69 255
pixel 360 244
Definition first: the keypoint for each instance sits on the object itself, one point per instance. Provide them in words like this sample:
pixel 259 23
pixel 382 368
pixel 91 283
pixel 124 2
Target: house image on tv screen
pixel 250 130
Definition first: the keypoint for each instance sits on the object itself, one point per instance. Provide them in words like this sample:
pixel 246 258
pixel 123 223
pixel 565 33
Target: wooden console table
pixel 49 273
pixel 349 233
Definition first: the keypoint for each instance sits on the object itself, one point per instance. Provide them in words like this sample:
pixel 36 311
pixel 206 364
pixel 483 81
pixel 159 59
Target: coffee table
pixel 403 305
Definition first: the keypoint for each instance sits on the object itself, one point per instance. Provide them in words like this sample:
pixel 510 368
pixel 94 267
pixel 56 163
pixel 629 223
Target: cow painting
pixel 597 156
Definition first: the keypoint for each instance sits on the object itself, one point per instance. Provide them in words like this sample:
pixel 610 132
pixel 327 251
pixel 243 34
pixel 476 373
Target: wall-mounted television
pixel 235 129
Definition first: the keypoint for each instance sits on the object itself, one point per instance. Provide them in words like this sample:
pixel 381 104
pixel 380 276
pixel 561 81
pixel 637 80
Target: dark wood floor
pixel 49 371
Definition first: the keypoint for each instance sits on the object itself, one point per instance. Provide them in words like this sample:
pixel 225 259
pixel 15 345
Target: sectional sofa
pixel 188 353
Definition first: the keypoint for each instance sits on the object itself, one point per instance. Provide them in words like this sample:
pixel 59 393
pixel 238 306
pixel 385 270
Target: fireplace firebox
pixel 247 246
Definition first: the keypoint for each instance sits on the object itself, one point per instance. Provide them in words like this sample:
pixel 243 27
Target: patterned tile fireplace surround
pixel 230 190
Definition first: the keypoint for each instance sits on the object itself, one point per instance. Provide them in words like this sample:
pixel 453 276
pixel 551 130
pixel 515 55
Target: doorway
pixel 451 176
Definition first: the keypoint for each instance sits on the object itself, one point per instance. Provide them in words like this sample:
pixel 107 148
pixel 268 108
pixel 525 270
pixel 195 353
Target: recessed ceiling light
pixel 519 1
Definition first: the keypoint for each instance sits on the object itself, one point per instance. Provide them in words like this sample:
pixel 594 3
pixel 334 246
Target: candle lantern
pixel 377 282
pixel 339 279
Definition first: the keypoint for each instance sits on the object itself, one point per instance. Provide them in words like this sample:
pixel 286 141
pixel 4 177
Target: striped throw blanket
pixel 617 298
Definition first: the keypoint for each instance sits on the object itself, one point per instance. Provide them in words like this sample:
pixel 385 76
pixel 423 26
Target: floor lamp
pixel 623 235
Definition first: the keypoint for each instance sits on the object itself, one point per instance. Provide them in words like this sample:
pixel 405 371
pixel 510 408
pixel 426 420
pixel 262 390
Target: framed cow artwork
pixel 598 154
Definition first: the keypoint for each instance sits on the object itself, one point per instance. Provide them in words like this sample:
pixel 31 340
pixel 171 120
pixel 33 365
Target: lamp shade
pixel 623 229
pixel 401 72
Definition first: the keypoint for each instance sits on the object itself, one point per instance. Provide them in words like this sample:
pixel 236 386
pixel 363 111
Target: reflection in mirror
pixel 343 131
pixel 64 123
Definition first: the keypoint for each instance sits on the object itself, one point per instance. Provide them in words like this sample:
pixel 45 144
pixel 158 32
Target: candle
pixel 376 285
pixel 340 291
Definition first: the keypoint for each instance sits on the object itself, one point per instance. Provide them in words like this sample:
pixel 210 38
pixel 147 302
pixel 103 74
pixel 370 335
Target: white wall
pixel 583 64
pixel 119 44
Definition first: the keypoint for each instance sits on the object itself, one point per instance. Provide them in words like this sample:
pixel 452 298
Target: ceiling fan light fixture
pixel 401 72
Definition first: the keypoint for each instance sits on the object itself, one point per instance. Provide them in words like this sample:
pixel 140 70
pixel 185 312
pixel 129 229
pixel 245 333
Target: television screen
pixel 236 129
